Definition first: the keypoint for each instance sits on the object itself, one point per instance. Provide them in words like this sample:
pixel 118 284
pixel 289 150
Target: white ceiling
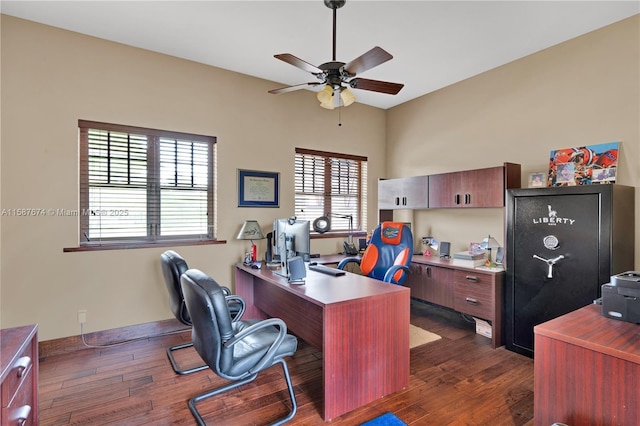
pixel 434 43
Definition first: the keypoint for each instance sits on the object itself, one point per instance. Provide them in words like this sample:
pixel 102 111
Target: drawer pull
pixel 22 365
pixel 21 415
pixel 471 278
pixel 471 300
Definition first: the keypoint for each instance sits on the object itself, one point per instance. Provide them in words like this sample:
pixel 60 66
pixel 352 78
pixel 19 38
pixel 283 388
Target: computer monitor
pixel 291 237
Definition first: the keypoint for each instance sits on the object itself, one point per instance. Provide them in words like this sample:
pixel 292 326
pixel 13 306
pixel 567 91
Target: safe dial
pixel 551 242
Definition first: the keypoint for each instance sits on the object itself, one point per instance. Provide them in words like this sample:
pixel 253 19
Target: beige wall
pixel 50 79
pixel 582 92
pixel 585 91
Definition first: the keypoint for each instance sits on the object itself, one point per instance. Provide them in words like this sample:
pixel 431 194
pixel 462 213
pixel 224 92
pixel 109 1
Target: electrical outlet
pixel 82 316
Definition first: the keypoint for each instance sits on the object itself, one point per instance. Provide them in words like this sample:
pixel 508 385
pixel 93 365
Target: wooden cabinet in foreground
pixel 19 375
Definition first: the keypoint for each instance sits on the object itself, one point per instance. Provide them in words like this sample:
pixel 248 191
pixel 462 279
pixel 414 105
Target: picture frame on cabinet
pixel 583 165
pixel 537 180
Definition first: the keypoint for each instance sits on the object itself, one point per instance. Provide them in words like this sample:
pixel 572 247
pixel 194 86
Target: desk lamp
pixel 251 231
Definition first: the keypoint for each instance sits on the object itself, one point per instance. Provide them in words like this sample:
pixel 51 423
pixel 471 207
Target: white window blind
pixel 331 183
pixel 144 186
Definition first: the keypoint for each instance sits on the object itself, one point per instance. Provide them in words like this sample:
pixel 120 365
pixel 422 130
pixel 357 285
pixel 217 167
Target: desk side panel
pixel 303 318
pixel 366 351
pixel 244 288
pixel 579 386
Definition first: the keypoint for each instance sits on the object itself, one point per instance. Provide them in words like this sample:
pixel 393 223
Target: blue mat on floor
pixel 387 419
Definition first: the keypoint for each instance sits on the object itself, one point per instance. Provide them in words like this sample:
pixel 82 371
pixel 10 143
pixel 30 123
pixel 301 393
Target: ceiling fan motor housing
pixel 334 4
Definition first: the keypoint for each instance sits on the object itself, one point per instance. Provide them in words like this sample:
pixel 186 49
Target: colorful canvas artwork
pixel 585 165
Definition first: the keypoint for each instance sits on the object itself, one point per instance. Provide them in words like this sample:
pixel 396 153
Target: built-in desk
pixel 473 291
pixel 587 370
pixel 361 325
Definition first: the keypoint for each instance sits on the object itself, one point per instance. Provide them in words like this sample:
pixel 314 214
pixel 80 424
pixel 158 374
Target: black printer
pixel 621 297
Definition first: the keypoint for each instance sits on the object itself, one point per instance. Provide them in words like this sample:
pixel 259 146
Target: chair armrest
pixel 267 359
pixel 240 301
pixel 388 276
pixel 347 260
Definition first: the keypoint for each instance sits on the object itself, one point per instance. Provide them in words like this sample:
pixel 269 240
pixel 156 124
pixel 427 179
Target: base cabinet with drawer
pixel 19 375
pixel 471 291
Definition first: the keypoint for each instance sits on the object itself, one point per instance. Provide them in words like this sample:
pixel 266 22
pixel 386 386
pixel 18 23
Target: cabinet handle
pixel 471 301
pixel 456 199
pixel 22 364
pixel 404 201
pixel 428 271
pixel 467 198
pixel 471 278
pixel 397 201
pixel 21 415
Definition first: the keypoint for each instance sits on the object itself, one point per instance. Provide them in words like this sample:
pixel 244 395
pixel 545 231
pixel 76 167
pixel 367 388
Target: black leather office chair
pixel 235 351
pixel 173 266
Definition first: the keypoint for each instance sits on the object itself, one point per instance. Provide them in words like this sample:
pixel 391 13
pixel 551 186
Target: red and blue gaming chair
pixel 388 254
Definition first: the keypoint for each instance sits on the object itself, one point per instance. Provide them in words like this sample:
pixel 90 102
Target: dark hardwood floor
pixel 457 380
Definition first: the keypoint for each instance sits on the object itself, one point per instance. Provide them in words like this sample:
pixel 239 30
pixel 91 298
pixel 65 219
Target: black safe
pixel 563 244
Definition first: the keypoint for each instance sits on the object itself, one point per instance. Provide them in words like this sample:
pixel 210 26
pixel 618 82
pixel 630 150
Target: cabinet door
pixel 414 280
pixel 472 188
pixel 416 192
pixel 389 194
pixel 483 188
pixel 444 190
pixel 404 193
pixel 438 285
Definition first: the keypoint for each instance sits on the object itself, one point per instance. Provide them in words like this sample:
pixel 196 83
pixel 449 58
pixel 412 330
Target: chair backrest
pixel 391 244
pixel 212 324
pixel 173 266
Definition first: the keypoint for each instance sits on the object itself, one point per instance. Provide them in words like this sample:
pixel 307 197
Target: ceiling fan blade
pixel 297 62
pixel 376 85
pixel 292 88
pixel 368 60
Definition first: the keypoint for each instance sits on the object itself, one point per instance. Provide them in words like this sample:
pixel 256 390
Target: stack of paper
pixel 464 258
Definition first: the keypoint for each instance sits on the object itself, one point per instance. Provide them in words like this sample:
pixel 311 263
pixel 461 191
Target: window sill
pixel 339 234
pixel 127 246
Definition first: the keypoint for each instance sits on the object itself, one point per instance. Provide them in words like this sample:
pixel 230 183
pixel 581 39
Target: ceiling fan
pixel 338 77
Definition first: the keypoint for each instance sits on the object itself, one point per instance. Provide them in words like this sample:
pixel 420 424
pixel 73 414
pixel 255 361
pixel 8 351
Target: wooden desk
pixel 361 325
pixel 587 370
pixel 19 375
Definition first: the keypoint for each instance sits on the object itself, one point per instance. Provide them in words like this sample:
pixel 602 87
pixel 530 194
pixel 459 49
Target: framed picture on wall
pixel 258 189
pixel 583 165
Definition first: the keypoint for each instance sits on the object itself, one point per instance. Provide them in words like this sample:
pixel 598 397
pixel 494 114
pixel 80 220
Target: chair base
pixel 288 417
pixel 174 364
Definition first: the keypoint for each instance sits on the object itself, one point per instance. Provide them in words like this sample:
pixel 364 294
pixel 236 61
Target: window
pixel 327 182
pixel 144 186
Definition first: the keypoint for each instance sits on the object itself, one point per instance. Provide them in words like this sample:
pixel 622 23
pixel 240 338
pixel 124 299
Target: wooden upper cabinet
pixel 473 188
pixel 404 193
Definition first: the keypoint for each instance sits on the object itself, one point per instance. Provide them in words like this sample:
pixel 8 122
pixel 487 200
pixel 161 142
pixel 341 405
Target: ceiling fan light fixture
pixel 347 97
pixel 325 96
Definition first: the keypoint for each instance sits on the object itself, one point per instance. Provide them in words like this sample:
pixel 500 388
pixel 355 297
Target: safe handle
pixel 549 262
